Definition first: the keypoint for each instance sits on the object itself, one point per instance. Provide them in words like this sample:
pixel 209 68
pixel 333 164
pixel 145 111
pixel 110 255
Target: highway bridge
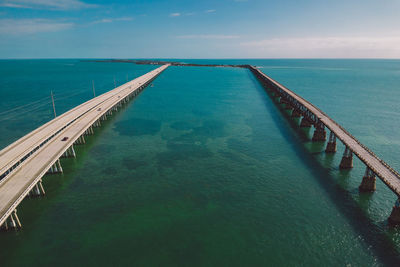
pixel 313 116
pixel 27 160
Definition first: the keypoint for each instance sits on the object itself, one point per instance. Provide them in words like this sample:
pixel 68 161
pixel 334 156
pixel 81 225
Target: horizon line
pixel 227 58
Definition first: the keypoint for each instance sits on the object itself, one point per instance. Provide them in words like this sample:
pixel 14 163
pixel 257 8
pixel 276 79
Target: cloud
pixel 102 21
pixel 208 36
pixel 330 47
pixel 175 14
pixel 11 5
pixel 210 11
pixel 109 20
pixel 46 4
pixel 31 26
pixel 124 19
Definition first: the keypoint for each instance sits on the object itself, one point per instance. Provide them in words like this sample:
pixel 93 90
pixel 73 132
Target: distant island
pixel 173 63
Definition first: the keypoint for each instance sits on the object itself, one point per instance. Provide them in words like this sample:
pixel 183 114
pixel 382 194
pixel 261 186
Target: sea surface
pixel 204 169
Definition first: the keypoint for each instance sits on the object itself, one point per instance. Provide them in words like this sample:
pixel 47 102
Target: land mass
pixel 161 62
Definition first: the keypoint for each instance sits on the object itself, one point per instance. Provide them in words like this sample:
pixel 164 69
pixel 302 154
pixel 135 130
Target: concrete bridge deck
pixel 73 124
pixel 375 165
pixel 388 175
pixel 17 152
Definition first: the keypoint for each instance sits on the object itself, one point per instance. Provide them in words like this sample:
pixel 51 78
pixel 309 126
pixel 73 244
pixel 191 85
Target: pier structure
pixel 313 116
pixel 27 160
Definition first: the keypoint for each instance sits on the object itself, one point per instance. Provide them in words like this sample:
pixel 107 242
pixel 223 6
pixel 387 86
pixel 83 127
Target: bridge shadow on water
pixel 373 234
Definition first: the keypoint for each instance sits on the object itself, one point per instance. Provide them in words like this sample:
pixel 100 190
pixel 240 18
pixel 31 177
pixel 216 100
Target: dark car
pixel 64 138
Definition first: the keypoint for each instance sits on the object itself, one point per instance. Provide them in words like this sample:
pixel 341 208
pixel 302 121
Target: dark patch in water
pixel 181 126
pixel 191 145
pixel 211 128
pixel 110 170
pixel 237 145
pixel 102 149
pixel 233 157
pixel 181 151
pixel 132 164
pixel 137 127
pixel 201 113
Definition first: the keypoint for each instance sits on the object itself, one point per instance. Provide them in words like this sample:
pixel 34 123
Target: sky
pixel 200 29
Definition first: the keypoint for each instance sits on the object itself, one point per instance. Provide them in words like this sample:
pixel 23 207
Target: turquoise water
pixel 204 169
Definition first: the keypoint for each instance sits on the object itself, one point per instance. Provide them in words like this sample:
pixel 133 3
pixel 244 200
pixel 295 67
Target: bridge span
pixel 313 116
pixel 27 160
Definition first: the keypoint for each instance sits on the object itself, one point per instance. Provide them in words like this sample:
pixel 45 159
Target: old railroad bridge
pixel 27 160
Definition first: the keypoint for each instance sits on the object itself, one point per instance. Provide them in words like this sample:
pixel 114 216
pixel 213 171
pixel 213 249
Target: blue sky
pixel 200 29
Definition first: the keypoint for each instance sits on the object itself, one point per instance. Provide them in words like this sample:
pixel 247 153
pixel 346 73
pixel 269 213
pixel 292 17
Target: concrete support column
pixel 394 217
pixel 12 222
pixel 72 150
pixel 37 190
pixel 347 159
pixel 296 113
pixel 5 226
pixel 319 133
pixel 89 131
pixel 41 189
pixel 305 123
pixel 16 219
pixel 55 168
pixel 58 163
pixel 80 140
pixel 288 106
pixel 368 182
pixel 69 153
pixel 331 146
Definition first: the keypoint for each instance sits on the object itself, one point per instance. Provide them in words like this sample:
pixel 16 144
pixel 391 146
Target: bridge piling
pixel 18 222
pixel 29 181
pixel 69 153
pixel 80 140
pixel 368 182
pixel 314 116
pixel 331 145
pixel 59 168
pixel 55 168
pixel 9 223
pixel 96 123
pixel 288 106
pixel 12 222
pixel 296 113
pixel 305 123
pixel 347 159
pixel 319 133
pixel 394 218
pixel 37 190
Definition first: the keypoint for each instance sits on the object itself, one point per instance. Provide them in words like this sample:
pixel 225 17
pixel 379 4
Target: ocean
pixel 205 169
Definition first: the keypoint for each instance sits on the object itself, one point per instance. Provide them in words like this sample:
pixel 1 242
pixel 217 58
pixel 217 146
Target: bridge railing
pixel 333 121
